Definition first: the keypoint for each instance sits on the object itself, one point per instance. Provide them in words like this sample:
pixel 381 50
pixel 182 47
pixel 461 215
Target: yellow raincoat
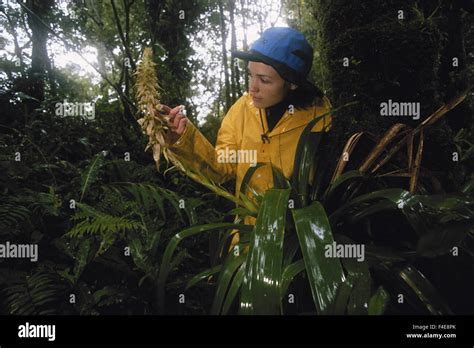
pixel 241 129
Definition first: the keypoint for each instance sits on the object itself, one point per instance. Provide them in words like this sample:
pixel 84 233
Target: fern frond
pixel 91 173
pixel 34 295
pixel 102 225
pixel 151 197
pixel 46 203
pixel 40 203
pixel 12 215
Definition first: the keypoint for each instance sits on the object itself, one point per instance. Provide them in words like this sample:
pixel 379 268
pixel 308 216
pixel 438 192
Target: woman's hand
pixel 177 122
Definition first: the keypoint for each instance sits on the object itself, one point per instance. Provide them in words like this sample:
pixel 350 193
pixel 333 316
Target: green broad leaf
pixel 261 285
pixel 248 176
pixel 360 296
pixel 279 180
pixel 306 149
pixel 325 273
pixel 342 297
pixel 173 244
pixel 227 236
pixel 378 302
pixel 289 274
pixel 358 275
pixel 448 202
pixel 229 268
pixel 389 199
pixel 344 178
pixel 234 289
pixel 424 291
pixel 372 209
pixel 201 276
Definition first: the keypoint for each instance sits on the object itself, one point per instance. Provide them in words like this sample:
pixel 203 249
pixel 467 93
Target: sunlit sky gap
pixel 72 61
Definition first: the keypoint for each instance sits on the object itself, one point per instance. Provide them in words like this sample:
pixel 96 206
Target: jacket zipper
pixel 264 135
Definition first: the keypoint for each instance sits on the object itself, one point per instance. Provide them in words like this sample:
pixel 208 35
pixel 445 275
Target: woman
pixel 265 124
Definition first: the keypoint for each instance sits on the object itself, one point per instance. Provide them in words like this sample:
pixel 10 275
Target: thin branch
pixel 12 32
pixel 122 37
pixel 114 86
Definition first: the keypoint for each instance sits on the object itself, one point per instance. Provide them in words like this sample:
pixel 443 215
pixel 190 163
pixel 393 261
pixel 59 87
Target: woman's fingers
pixel 174 111
pixel 177 121
pixel 181 125
pixel 165 109
pixel 171 113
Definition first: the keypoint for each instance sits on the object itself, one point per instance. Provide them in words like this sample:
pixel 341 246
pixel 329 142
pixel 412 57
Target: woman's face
pixel 266 86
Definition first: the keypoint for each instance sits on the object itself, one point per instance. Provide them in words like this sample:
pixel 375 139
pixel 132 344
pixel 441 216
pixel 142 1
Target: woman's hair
pixel 305 97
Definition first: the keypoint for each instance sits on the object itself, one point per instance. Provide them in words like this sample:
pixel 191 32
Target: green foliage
pixel 260 269
pixel 106 249
pixel 91 174
pixel 136 237
pixel 33 294
pixel 150 197
pixel 325 274
pixel 166 264
pixel 108 227
pixel 378 302
pixel 263 267
pixel 12 215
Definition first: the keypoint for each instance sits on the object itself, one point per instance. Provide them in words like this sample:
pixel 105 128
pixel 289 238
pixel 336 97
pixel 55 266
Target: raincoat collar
pixel 288 122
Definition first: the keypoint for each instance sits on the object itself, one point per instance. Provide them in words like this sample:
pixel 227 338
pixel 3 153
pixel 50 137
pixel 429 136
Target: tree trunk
pixel 128 61
pixel 245 44
pixel 38 22
pixel 236 91
pixel 390 55
pixel 224 57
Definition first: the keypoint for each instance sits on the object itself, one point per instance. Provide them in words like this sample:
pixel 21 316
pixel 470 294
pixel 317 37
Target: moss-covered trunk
pixel 399 50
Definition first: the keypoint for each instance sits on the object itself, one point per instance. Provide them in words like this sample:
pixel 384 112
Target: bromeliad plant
pixel 152 121
pixel 397 227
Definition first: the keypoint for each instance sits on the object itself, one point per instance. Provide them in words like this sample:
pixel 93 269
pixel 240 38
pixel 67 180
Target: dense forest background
pixel 81 187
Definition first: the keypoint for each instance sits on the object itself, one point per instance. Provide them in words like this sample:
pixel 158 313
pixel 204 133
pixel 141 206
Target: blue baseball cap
pixel 286 50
